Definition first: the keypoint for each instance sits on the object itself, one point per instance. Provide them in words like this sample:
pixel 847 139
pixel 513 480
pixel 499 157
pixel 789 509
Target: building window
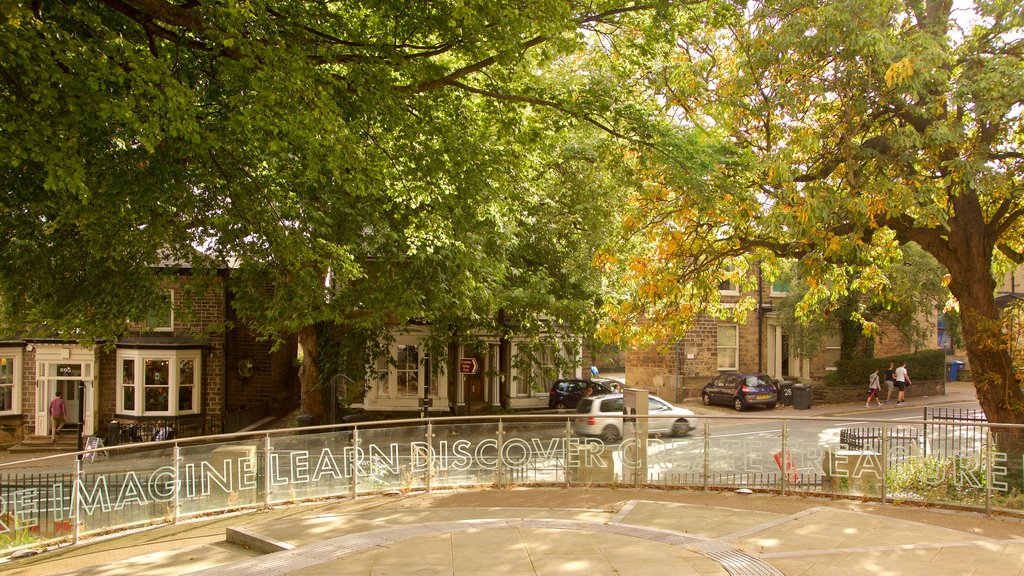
pixel 537 367
pixel 833 344
pixel 162 319
pixel 780 288
pixel 157 385
pixel 728 347
pixel 10 379
pixel 127 385
pixel 407 370
pixel 729 288
pixel 945 337
pixel 158 382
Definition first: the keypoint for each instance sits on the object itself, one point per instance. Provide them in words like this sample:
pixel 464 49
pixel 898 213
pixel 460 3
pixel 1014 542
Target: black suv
pixel 740 391
pixel 566 393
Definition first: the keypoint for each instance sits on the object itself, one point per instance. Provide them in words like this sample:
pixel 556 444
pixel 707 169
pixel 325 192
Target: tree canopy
pixel 373 161
pixel 429 158
pixel 855 126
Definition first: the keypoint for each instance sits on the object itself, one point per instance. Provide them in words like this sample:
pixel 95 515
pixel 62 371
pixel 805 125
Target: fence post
pixel 76 501
pixel 924 447
pixel 177 483
pixel 784 466
pixel 988 470
pixel 565 460
pixel 501 449
pixel 430 449
pixel 355 462
pixel 266 470
pixel 885 462
pixel 707 454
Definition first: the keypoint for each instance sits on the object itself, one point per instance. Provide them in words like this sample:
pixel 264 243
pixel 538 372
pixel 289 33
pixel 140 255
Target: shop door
pixel 69 389
pixel 476 388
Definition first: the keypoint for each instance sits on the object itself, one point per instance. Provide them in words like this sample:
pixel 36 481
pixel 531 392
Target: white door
pixel 66 369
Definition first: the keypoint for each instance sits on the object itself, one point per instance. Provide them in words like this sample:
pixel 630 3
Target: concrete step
pixel 67 441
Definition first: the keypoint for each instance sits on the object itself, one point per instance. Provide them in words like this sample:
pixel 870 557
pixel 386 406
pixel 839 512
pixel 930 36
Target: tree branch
pixel 541 102
pixel 467 70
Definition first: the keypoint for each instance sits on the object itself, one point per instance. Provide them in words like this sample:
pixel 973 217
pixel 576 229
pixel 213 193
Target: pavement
pixel 557 531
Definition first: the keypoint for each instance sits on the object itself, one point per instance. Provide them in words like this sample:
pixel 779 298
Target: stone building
pixel 678 370
pixel 191 369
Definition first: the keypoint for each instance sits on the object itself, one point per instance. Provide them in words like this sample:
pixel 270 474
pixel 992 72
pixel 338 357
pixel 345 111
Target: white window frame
pixel 527 374
pixel 387 372
pixel 174 359
pixel 170 315
pixel 735 347
pixel 728 288
pixel 833 351
pixel 779 293
pixel 12 358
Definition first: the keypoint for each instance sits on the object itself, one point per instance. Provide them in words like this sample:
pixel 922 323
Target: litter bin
pixel 801 396
pixel 786 393
pixel 953 369
pixel 113 433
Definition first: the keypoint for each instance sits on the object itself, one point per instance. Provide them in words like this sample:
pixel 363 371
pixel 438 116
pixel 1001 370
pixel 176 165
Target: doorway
pixel 70 371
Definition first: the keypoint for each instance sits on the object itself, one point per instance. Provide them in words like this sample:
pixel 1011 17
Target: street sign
pixel 467 366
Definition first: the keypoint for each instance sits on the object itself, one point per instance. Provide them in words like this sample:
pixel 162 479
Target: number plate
pixel 764 397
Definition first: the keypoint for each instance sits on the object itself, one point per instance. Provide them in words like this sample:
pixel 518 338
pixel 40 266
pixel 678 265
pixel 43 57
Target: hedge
pixel 924 365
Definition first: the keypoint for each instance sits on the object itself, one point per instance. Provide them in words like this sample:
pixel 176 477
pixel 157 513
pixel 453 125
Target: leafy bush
pixel 955 479
pixel 924 365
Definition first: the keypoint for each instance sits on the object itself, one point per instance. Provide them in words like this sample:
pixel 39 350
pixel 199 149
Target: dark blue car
pixel 741 391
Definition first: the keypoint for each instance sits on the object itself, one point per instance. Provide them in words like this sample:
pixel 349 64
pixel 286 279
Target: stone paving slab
pixel 558 532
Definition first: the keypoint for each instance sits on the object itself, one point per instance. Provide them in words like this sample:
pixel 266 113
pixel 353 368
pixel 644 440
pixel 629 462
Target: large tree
pixel 373 161
pixel 857 126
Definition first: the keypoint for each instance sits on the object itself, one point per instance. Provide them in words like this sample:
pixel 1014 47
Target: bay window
pixel 10 381
pixel 158 382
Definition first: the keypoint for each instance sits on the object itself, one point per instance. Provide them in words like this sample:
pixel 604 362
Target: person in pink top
pixel 58 413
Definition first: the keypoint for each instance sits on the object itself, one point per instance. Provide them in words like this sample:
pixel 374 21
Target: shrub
pixel 853 372
pixel 956 479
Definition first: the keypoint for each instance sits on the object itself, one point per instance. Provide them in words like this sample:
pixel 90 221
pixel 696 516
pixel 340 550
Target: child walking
pixel 873 389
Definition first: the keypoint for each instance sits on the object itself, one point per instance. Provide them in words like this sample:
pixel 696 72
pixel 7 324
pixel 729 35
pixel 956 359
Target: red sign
pixel 467 366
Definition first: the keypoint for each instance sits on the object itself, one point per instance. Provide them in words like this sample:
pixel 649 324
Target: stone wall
pixel 822 394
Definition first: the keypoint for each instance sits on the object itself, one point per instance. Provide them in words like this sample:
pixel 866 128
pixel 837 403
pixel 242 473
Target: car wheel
pixel 610 434
pixel 681 428
pixel 738 404
pixel 559 405
pixel 706 398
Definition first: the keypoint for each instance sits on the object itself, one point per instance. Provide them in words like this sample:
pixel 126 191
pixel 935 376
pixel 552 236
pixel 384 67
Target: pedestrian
pixel 889 379
pixel 58 413
pixel 874 390
pixel 902 379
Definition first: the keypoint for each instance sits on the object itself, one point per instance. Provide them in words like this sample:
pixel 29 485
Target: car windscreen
pixel 584 405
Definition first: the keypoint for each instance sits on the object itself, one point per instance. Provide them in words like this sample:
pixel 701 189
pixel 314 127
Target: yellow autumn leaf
pixel 899 72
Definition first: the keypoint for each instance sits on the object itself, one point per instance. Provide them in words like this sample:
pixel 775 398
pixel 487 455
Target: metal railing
pixel 66 497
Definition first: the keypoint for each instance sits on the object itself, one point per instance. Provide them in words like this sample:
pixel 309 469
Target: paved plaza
pixel 592 532
pixel 556 531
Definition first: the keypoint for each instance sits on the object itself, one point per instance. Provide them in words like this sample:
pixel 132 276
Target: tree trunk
pixel 999 392
pixel 310 401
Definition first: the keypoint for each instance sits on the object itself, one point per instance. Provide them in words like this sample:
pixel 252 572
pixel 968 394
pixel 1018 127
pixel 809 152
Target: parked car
pixel 741 391
pixel 601 416
pixel 565 393
pixel 614 385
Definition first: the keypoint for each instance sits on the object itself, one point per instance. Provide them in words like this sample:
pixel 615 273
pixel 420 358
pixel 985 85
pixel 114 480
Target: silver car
pixel 600 416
